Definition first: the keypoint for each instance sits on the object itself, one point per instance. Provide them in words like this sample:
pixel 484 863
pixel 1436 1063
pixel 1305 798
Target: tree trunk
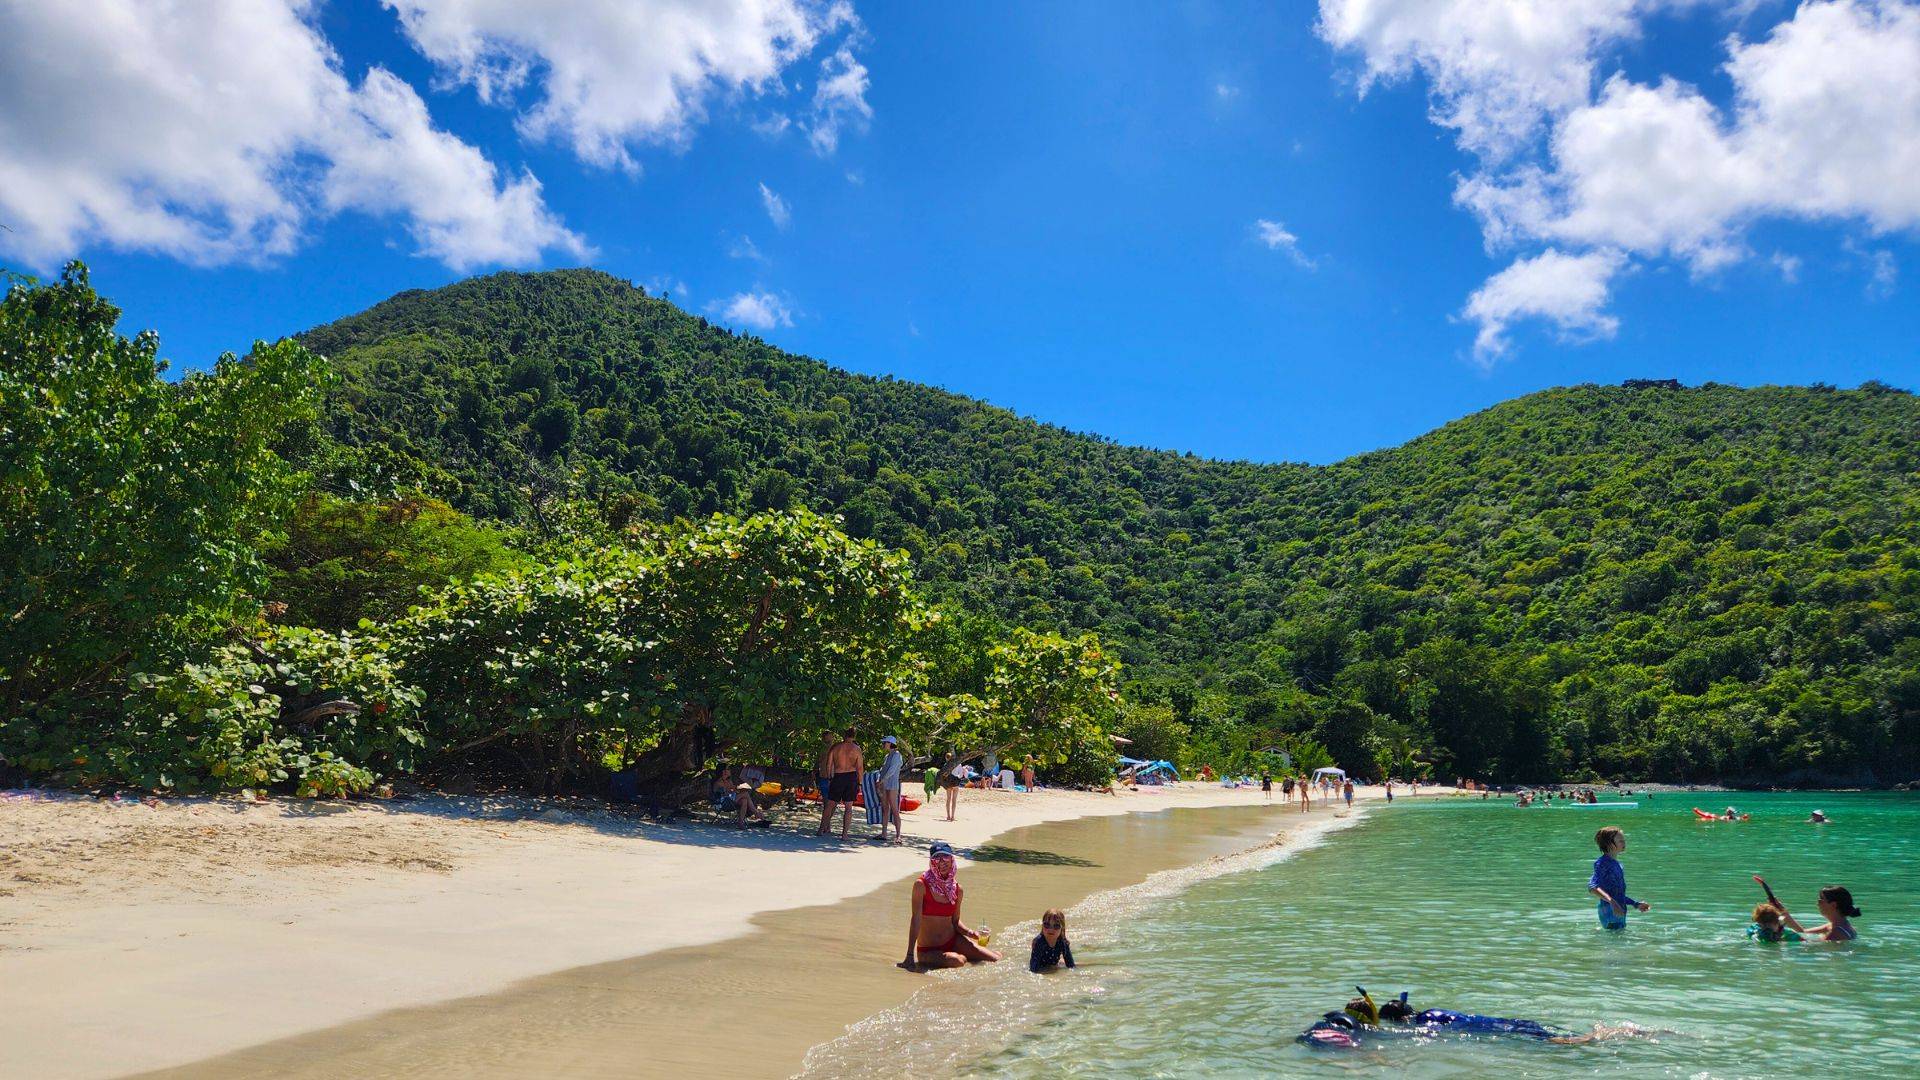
pixel 670 773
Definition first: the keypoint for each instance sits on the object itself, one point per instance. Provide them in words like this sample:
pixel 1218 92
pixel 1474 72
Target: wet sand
pixel 752 1006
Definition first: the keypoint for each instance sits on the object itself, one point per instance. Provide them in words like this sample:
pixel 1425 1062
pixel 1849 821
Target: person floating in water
pixel 1819 817
pixel 1050 946
pixel 1608 884
pixel 1836 903
pixel 1362 1019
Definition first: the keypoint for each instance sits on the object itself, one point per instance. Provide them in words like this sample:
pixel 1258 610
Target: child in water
pixel 1768 925
pixel 1050 946
pixel 1609 881
pixel 1836 903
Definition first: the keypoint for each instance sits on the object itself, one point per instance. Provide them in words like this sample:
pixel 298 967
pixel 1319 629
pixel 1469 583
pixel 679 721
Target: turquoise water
pixel 1480 907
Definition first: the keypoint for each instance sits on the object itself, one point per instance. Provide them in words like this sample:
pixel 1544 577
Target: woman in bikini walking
pixel 936 937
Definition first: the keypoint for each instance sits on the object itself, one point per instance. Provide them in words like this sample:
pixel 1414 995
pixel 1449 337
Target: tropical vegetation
pixel 548 527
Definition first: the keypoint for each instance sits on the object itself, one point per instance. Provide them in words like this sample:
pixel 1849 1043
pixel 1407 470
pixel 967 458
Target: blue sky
pixel 1055 207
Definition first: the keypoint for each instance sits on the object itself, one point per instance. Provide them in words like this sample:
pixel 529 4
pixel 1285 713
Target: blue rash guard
pixel 1610 876
pixel 1468 1023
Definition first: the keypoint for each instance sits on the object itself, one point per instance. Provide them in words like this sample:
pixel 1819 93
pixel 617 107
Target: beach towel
pixel 870 794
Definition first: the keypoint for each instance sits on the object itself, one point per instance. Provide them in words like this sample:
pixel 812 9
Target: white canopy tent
pixel 1329 771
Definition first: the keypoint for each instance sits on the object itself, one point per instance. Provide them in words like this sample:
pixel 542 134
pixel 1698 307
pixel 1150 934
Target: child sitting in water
pixel 1609 881
pixel 1767 925
pixel 1050 946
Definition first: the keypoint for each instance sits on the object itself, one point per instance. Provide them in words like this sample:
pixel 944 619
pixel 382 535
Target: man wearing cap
pixel 889 785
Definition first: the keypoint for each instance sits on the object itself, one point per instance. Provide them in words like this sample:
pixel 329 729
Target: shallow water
pixel 1479 907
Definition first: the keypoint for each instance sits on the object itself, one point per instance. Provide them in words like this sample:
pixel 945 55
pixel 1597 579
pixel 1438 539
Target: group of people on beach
pixel 841 766
pixel 1303 787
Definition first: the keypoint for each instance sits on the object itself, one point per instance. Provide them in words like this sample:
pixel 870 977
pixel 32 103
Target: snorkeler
pixel 1362 1019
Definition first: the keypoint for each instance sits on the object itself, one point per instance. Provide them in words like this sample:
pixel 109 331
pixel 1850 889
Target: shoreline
pixel 757 1004
pixel 139 938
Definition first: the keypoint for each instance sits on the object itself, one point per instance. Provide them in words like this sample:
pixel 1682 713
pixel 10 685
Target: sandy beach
pixel 136 936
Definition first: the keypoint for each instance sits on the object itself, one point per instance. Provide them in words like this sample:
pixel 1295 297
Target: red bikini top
pixel 931 906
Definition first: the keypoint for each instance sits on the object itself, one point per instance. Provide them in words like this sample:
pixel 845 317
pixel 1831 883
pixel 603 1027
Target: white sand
pixel 134 937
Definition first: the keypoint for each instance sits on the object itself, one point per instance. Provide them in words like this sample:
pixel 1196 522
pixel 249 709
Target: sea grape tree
pixel 731 636
pixel 1044 694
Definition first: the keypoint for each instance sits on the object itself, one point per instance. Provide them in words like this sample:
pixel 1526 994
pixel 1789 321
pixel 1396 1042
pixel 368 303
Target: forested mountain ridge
pixel 1682 583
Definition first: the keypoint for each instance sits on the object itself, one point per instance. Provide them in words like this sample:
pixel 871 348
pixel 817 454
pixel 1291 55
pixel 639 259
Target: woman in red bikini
pixel 937 938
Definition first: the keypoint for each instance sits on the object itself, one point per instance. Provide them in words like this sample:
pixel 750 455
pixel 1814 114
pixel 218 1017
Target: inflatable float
pixel 1704 816
pixel 906 803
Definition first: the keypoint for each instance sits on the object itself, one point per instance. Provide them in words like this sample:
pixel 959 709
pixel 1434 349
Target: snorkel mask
pixel 1363 1009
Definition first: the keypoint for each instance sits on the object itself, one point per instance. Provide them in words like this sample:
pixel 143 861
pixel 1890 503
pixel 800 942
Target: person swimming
pixel 1362 1019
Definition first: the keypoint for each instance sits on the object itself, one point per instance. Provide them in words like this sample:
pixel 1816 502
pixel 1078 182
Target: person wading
pixel 845 761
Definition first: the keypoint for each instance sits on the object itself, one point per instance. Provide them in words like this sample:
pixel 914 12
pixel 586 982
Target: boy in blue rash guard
pixel 1609 881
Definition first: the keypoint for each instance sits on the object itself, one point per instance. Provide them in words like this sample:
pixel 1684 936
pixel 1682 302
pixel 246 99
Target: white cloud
pixel 772 126
pixel 604 76
pixel 1277 238
pixel 777 208
pixel 743 247
pixel 1788 265
pixel 664 285
pixel 839 101
pixel 1225 92
pixel 758 309
pixel 220 131
pixel 1822 123
pixel 1497 68
pixel 1569 291
pixel 447 190
pixel 1883 273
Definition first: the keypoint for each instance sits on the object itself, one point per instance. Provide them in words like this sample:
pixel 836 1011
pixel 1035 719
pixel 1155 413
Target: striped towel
pixel 870 793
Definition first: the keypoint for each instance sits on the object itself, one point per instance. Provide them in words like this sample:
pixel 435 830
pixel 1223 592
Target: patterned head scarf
pixel 941 879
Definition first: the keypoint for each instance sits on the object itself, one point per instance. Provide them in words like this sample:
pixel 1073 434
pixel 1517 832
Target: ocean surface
pixel 1472 905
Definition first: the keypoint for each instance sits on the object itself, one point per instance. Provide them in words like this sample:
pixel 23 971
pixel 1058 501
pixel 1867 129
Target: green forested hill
pixel 1678 583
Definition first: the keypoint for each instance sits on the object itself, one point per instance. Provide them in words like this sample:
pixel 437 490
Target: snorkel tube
pixel 1363 1009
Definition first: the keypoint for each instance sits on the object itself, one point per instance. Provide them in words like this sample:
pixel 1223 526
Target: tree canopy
pixel 1650 580
pixel 550 525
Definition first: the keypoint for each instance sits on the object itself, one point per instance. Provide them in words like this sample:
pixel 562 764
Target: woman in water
pixel 1836 903
pixel 936 938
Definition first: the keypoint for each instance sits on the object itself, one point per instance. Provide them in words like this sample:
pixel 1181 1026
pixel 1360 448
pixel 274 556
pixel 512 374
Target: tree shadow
pixel 996 853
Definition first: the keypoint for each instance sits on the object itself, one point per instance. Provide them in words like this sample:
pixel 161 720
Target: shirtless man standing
pixel 846 761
